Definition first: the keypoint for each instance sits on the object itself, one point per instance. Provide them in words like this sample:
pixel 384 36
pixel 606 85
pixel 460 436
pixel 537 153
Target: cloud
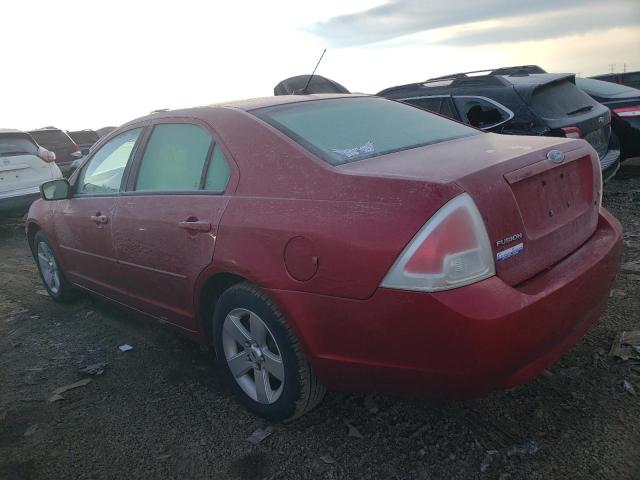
pixel 405 17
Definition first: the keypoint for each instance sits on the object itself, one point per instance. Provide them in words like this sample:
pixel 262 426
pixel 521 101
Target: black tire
pixel 301 390
pixel 66 291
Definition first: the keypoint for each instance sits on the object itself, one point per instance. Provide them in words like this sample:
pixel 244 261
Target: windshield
pixel 344 130
pixel 560 99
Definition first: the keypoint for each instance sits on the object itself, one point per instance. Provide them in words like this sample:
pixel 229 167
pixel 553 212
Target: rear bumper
pixel 462 342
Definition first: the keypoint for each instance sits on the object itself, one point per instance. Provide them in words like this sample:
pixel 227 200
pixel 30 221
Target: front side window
pixel 480 112
pixel 103 173
pixel 348 129
pixel 174 158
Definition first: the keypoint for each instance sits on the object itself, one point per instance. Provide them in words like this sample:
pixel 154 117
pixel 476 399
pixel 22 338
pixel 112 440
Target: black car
pixel 58 141
pixel 624 103
pixel 518 101
pixel 630 79
pixel 85 139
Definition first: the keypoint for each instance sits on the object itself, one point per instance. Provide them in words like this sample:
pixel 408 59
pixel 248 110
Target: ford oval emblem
pixel 555 156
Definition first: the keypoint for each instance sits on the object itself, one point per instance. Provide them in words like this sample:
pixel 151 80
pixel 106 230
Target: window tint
pixel 349 129
pixel 174 158
pixel 84 136
pixel 558 100
pixel 16 144
pixel 439 105
pixel 103 173
pixel 480 112
pixel 218 172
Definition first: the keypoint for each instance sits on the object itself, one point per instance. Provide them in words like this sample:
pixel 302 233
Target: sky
pixel 93 63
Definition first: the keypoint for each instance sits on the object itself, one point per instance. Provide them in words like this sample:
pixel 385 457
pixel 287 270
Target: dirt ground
pixel 161 410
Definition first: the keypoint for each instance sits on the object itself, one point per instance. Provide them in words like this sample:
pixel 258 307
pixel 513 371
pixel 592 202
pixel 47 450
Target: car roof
pixel 604 89
pixel 10 130
pixel 443 85
pixel 262 102
pixel 246 105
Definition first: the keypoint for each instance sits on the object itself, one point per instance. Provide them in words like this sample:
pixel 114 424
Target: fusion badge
pixel 509 252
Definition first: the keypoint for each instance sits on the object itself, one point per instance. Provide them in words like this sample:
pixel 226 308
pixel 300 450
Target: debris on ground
pixel 631 267
pixel 616 293
pixel 488 459
pixel 628 387
pixel 57 393
pixel 94 369
pixel 125 347
pixel 353 431
pixel 42 292
pixel 259 435
pixel 530 447
pixel 31 430
pixel 328 459
pixel 626 346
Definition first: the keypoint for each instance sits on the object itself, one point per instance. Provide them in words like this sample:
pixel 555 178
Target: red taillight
pixel 46 155
pixel 451 250
pixel 76 147
pixel 628 112
pixel 454 234
pixel 572 132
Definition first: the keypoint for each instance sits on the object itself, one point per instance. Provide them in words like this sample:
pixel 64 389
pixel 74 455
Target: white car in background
pixel 24 166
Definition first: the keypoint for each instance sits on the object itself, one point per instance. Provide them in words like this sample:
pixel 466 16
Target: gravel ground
pixel 161 410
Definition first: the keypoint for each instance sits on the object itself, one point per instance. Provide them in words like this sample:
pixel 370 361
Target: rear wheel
pixel 51 273
pixel 261 357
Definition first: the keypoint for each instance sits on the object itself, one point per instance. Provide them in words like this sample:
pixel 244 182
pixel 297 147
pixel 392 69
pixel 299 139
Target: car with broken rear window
pixel 521 100
pixel 340 242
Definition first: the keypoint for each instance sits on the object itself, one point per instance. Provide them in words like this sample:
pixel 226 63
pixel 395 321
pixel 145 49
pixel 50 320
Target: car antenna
pixel 304 90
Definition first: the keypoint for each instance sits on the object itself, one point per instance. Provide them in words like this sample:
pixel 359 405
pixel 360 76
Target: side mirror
pixel 55 190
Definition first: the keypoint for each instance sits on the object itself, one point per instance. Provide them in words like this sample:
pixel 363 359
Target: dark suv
pixel 57 141
pixel 518 101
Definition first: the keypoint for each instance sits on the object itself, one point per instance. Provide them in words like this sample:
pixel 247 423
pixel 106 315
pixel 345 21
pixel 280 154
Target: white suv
pixel 24 166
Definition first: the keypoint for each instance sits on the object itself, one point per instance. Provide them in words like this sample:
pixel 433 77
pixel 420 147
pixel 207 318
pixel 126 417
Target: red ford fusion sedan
pixel 342 242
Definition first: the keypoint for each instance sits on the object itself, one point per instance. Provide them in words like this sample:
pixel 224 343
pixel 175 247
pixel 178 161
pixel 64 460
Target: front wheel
pixel 50 271
pixel 261 357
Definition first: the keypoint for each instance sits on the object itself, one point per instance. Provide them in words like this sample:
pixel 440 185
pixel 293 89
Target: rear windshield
pixel 51 138
pixel 84 136
pixel 560 100
pixel 16 144
pixel 348 129
pixel 605 89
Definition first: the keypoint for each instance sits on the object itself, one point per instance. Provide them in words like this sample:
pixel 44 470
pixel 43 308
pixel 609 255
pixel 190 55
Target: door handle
pixel 99 219
pixel 195 225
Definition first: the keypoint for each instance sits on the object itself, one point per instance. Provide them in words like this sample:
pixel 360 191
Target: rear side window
pixel 103 173
pixel 559 100
pixel 17 144
pixel 174 158
pixel 217 172
pixel 480 112
pixel 348 129
pixel 51 138
pixel 439 105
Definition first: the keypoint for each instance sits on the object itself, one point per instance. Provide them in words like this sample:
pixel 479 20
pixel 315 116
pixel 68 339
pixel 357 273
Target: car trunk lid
pixel 536 211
